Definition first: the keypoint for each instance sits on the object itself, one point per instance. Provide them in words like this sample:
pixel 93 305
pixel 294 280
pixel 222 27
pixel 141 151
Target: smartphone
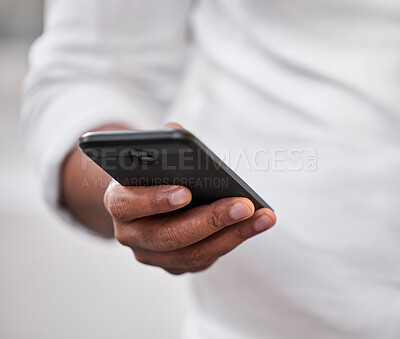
pixel 166 157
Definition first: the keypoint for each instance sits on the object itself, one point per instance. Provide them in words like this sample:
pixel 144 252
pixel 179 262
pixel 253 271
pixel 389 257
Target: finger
pixel 178 271
pixel 175 125
pixel 170 232
pixel 127 203
pixel 210 249
pixel 172 270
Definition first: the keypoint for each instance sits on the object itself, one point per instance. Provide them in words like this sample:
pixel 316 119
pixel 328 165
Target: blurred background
pixel 57 282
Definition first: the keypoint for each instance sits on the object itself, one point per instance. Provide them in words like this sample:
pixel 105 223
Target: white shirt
pixel 315 83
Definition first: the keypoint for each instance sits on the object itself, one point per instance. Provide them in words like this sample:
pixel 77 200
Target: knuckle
pixel 140 257
pixel 153 200
pixel 198 257
pixel 216 217
pixel 121 236
pixel 145 237
pixel 116 206
pixel 240 234
pixel 169 237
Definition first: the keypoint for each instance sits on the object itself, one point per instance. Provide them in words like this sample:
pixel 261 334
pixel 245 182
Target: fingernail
pixel 240 211
pixel 262 223
pixel 180 196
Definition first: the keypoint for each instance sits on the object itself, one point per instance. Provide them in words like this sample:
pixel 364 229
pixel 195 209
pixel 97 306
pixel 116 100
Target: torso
pixel 273 78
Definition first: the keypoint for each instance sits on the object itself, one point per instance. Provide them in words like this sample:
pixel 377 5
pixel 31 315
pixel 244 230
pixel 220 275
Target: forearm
pixel 83 184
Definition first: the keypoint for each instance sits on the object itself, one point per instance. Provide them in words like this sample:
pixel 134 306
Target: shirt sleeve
pixel 97 63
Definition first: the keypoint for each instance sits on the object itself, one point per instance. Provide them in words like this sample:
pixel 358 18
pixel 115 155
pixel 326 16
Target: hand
pixel 182 241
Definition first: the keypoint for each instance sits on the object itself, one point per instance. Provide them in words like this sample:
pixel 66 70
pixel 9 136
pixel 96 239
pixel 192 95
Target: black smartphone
pixel 166 157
